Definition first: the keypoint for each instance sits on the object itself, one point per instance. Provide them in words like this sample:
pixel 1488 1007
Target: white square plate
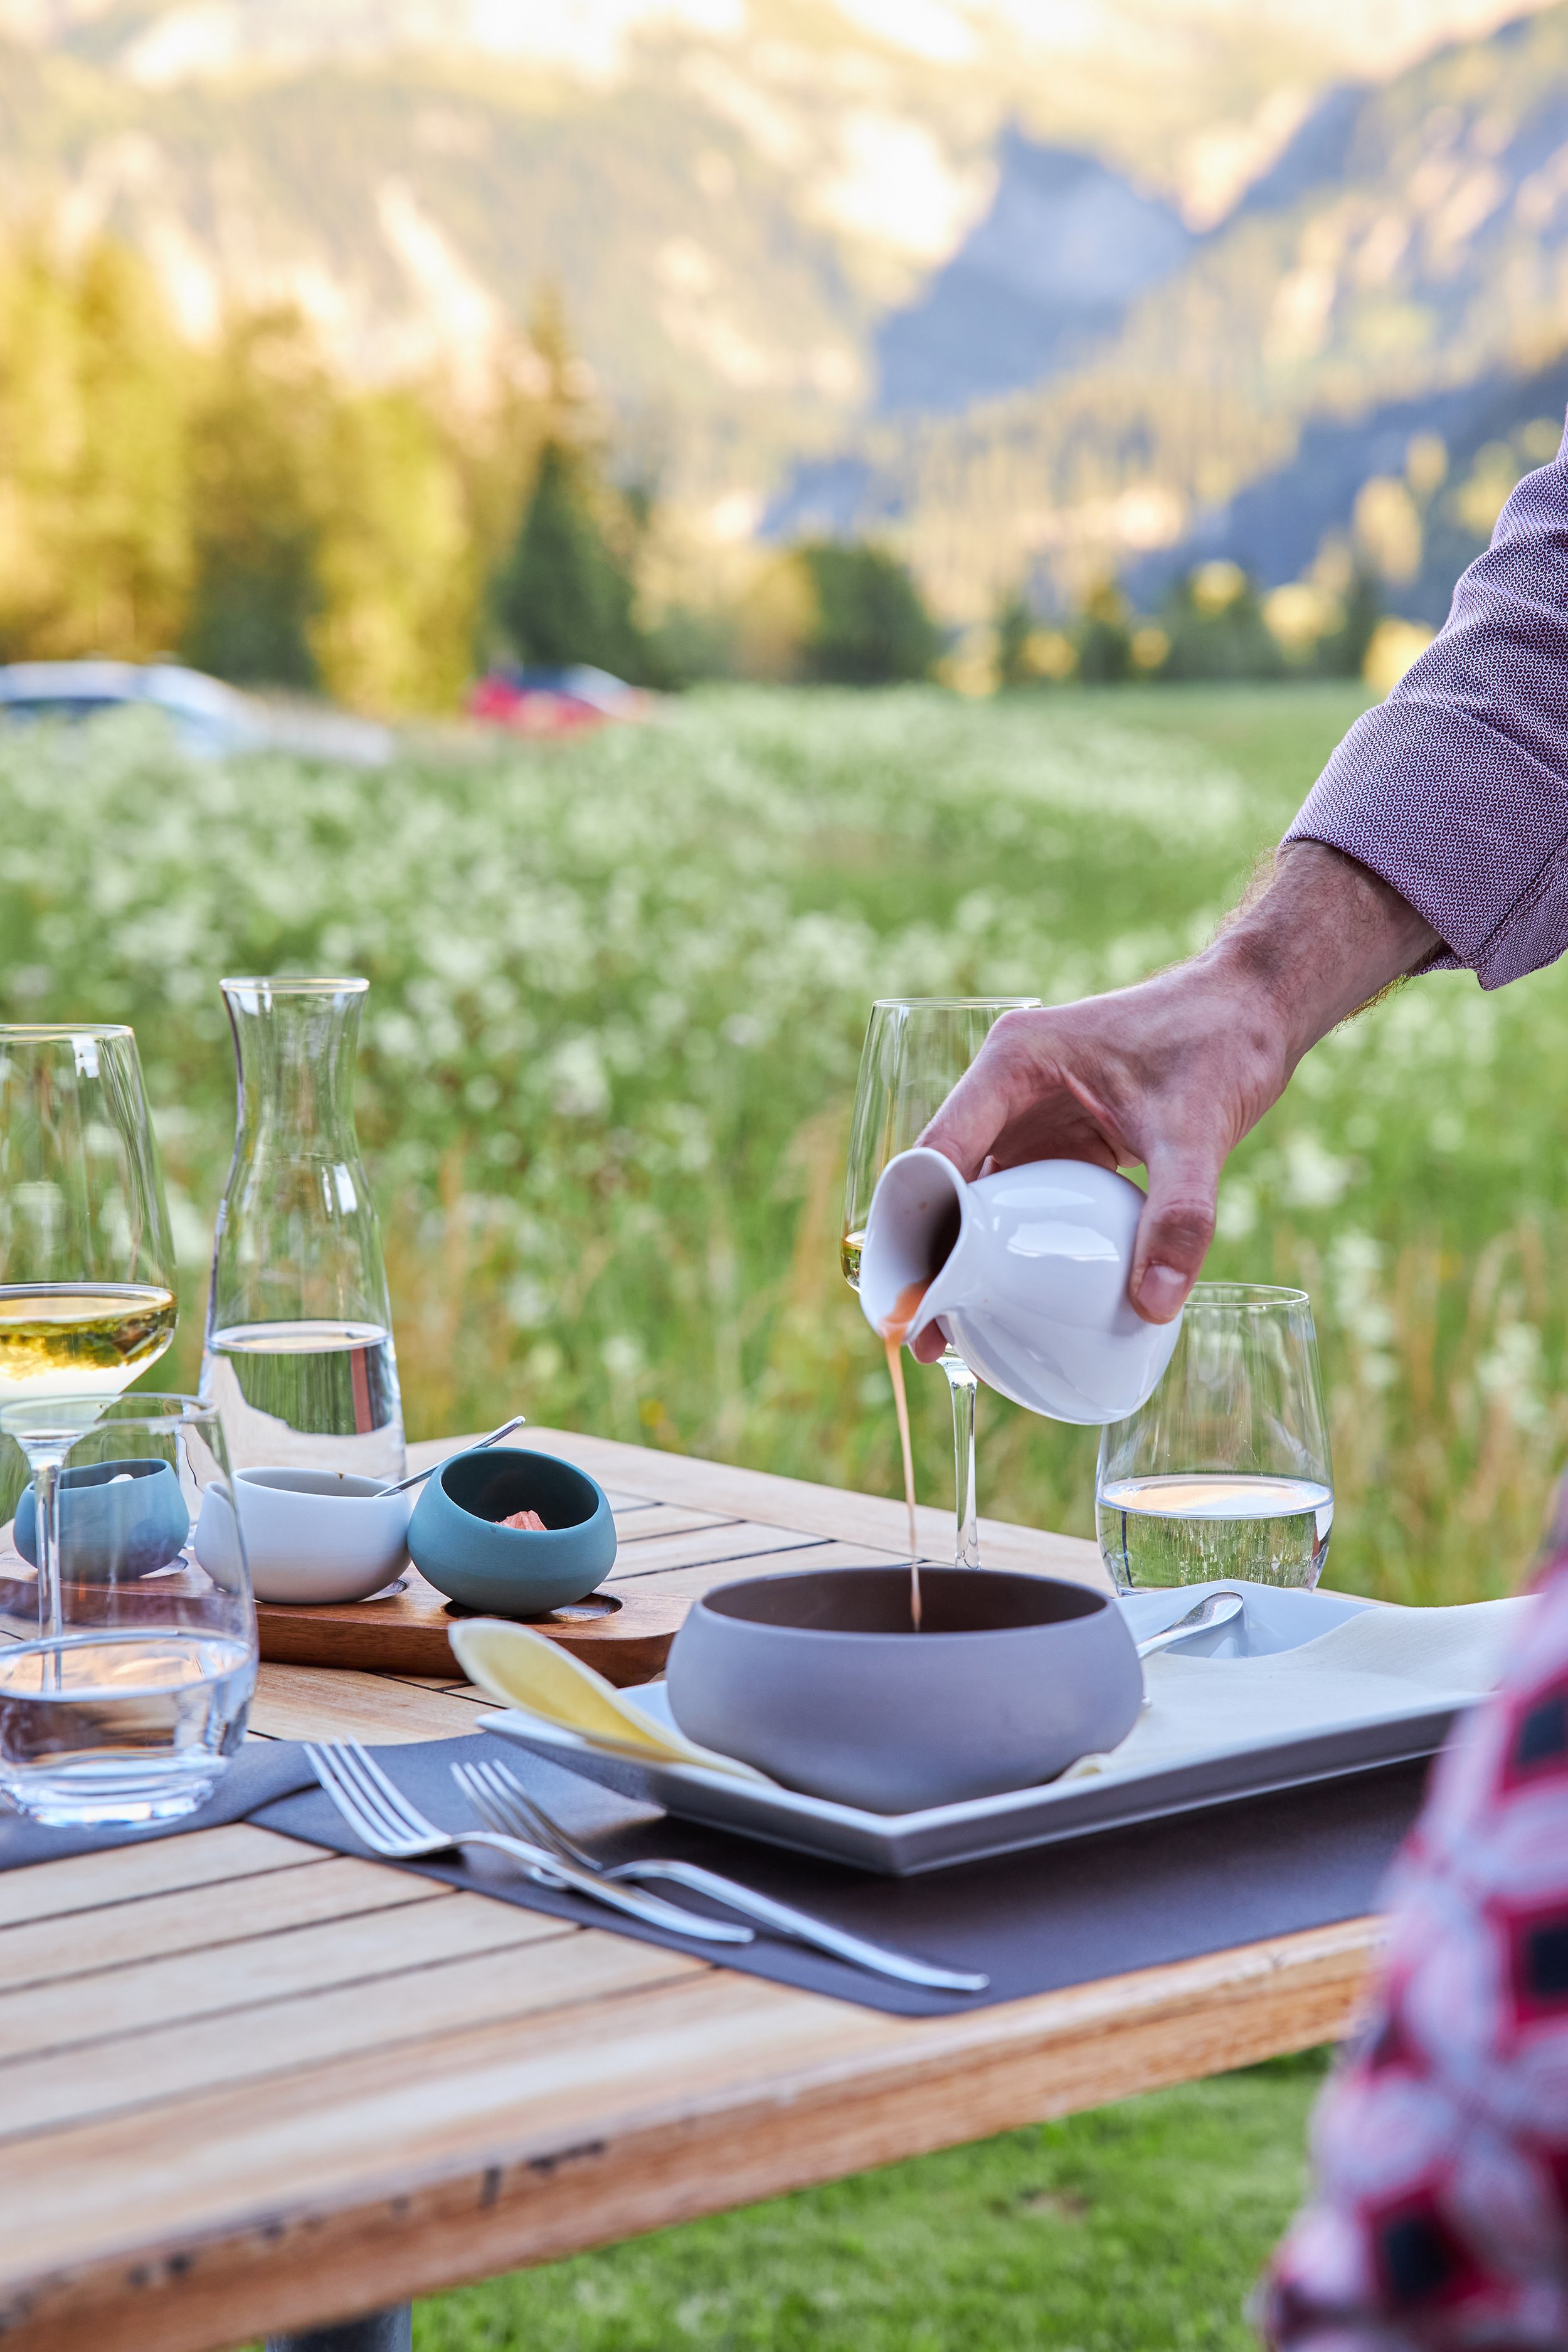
pixel 1413 1725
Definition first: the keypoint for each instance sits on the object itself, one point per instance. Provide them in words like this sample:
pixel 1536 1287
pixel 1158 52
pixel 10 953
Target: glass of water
pixel 128 1703
pixel 1225 1473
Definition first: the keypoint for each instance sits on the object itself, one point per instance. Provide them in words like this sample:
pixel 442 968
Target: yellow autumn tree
pixel 95 552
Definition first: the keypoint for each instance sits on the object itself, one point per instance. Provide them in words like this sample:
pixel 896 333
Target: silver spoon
pixel 1214 1609
pixel 494 1438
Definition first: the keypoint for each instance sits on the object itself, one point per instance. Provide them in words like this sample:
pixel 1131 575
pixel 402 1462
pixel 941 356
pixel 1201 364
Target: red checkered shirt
pixel 1439 2220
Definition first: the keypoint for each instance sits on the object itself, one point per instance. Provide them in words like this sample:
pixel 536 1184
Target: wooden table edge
pixel 519 2201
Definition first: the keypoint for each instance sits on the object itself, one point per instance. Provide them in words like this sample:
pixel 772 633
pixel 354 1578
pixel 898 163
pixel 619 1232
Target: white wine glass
pixel 1224 1471
pixel 916 1050
pixel 87 1265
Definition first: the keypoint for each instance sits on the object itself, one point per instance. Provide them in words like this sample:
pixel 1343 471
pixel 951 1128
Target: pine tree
pixel 562 595
pixel 261 443
pixel 1013 625
pixel 871 626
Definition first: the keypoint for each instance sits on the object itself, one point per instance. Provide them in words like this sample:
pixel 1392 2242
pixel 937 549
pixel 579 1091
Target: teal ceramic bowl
pixel 117 1520
pixel 455 1541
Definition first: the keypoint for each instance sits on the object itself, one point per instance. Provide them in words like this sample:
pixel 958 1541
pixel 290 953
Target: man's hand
pixel 1170 1075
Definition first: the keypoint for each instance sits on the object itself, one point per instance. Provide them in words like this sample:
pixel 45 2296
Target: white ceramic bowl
pixel 314 1535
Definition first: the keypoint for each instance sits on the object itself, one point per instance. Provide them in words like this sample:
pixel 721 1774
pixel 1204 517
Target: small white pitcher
pixel 1026 1271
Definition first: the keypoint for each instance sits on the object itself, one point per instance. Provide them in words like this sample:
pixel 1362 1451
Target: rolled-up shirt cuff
pixel 1467 827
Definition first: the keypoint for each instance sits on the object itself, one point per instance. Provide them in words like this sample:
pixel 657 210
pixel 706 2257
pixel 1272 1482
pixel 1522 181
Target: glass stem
pixel 45 1455
pixel 962 1384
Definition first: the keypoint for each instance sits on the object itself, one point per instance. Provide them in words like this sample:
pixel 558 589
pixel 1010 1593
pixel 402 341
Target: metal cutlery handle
pixel 548 1868
pixel 804 1928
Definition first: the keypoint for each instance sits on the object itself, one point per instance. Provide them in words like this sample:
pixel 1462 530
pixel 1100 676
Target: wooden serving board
pixel 667 1555
pixel 682 1526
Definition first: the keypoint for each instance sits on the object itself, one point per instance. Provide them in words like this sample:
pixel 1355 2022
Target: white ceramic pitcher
pixel 1028 1272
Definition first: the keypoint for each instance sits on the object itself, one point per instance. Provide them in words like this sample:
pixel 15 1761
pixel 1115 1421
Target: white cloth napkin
pixel 1362 1668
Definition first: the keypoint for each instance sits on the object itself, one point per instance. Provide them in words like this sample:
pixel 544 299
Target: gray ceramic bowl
pixel 455 1541
pixel 817 1680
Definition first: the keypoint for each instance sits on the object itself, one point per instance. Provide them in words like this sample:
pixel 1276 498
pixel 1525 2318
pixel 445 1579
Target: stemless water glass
pixel 131 1704
pixel 87 1265
pixel 916 1050
pixel 1224 1471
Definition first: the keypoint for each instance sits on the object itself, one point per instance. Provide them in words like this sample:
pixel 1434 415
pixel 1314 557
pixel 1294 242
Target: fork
pixel 379 1813
pixel 499 1797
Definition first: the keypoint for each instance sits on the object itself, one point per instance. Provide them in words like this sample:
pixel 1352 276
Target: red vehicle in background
pixel 556 701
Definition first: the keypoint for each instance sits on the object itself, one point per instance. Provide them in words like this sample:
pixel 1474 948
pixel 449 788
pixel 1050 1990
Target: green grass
pixel 1139 2228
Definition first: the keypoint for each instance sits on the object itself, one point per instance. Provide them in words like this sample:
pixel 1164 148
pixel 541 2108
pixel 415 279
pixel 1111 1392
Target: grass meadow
pixel 619 993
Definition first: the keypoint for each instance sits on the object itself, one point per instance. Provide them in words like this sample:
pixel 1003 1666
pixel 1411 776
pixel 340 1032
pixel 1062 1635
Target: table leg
pixel 378 2331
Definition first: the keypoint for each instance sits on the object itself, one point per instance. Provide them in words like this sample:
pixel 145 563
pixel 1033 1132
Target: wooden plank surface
pixel 250 2086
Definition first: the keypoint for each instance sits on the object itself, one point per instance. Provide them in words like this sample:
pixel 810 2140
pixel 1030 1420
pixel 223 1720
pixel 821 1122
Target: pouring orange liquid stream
pixel 895 1331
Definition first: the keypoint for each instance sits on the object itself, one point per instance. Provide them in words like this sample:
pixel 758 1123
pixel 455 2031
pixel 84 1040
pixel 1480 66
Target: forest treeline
pixel 240 507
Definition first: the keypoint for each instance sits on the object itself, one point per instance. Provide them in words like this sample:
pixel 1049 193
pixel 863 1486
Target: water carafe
pixel 299 1356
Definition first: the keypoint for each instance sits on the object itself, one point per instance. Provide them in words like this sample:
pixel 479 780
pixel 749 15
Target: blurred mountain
pixel 1398 276
pixel 1043 287
pixel 1051 268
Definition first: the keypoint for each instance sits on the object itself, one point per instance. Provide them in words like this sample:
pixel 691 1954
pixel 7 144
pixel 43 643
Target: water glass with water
pixel 1225 1473
pixel 125 1703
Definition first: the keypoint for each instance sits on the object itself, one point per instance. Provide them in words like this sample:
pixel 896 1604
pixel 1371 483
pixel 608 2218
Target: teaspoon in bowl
pixel 1214 1609
pixel 417 1477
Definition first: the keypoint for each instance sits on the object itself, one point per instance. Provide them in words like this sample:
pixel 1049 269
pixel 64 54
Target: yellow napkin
pixel 528 1671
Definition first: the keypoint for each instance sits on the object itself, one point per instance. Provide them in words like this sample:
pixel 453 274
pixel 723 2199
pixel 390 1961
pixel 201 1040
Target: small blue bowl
pixel 454 1540
pixel 109 1529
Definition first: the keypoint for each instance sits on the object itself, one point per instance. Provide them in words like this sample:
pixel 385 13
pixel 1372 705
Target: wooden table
pixel 248 2086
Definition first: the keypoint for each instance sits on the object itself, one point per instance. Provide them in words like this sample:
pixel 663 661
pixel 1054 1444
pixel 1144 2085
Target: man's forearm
pixel 1323 939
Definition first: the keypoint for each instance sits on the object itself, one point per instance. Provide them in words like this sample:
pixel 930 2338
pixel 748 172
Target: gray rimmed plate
pixel 901 1844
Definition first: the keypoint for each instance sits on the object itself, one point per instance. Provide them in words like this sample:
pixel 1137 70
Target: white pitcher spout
pixel 1026 1270
pixel 909 1269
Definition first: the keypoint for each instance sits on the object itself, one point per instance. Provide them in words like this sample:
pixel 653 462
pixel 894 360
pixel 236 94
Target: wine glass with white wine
pixel 87 1283
pixel 917 1048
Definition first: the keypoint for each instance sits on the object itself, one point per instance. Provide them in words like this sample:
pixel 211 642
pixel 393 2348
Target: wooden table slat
pixel 204 1919
pixel 472 1973
pixel 316 1702
pixel 722 1540
pixel 93 1881
pixel 351 1943
pixel 650 1519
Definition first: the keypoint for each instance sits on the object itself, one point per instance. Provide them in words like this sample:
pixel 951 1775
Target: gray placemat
pixel 1033 1922
pixel 264 1770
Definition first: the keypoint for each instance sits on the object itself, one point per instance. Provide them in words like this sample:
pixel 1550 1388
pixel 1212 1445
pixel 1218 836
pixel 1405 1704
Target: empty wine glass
pixel 916 1050
pixel 1225 1473
pixel 128 1707
pixel 87 1265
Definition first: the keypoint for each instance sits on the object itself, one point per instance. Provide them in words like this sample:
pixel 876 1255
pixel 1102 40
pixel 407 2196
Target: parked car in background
pixel 208 717
pixel 555 701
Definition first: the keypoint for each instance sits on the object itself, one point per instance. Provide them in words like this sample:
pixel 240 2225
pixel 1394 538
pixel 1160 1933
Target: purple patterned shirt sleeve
pixel 1455 789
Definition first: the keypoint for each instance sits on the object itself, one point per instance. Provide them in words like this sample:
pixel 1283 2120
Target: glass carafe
pixel 299 1356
